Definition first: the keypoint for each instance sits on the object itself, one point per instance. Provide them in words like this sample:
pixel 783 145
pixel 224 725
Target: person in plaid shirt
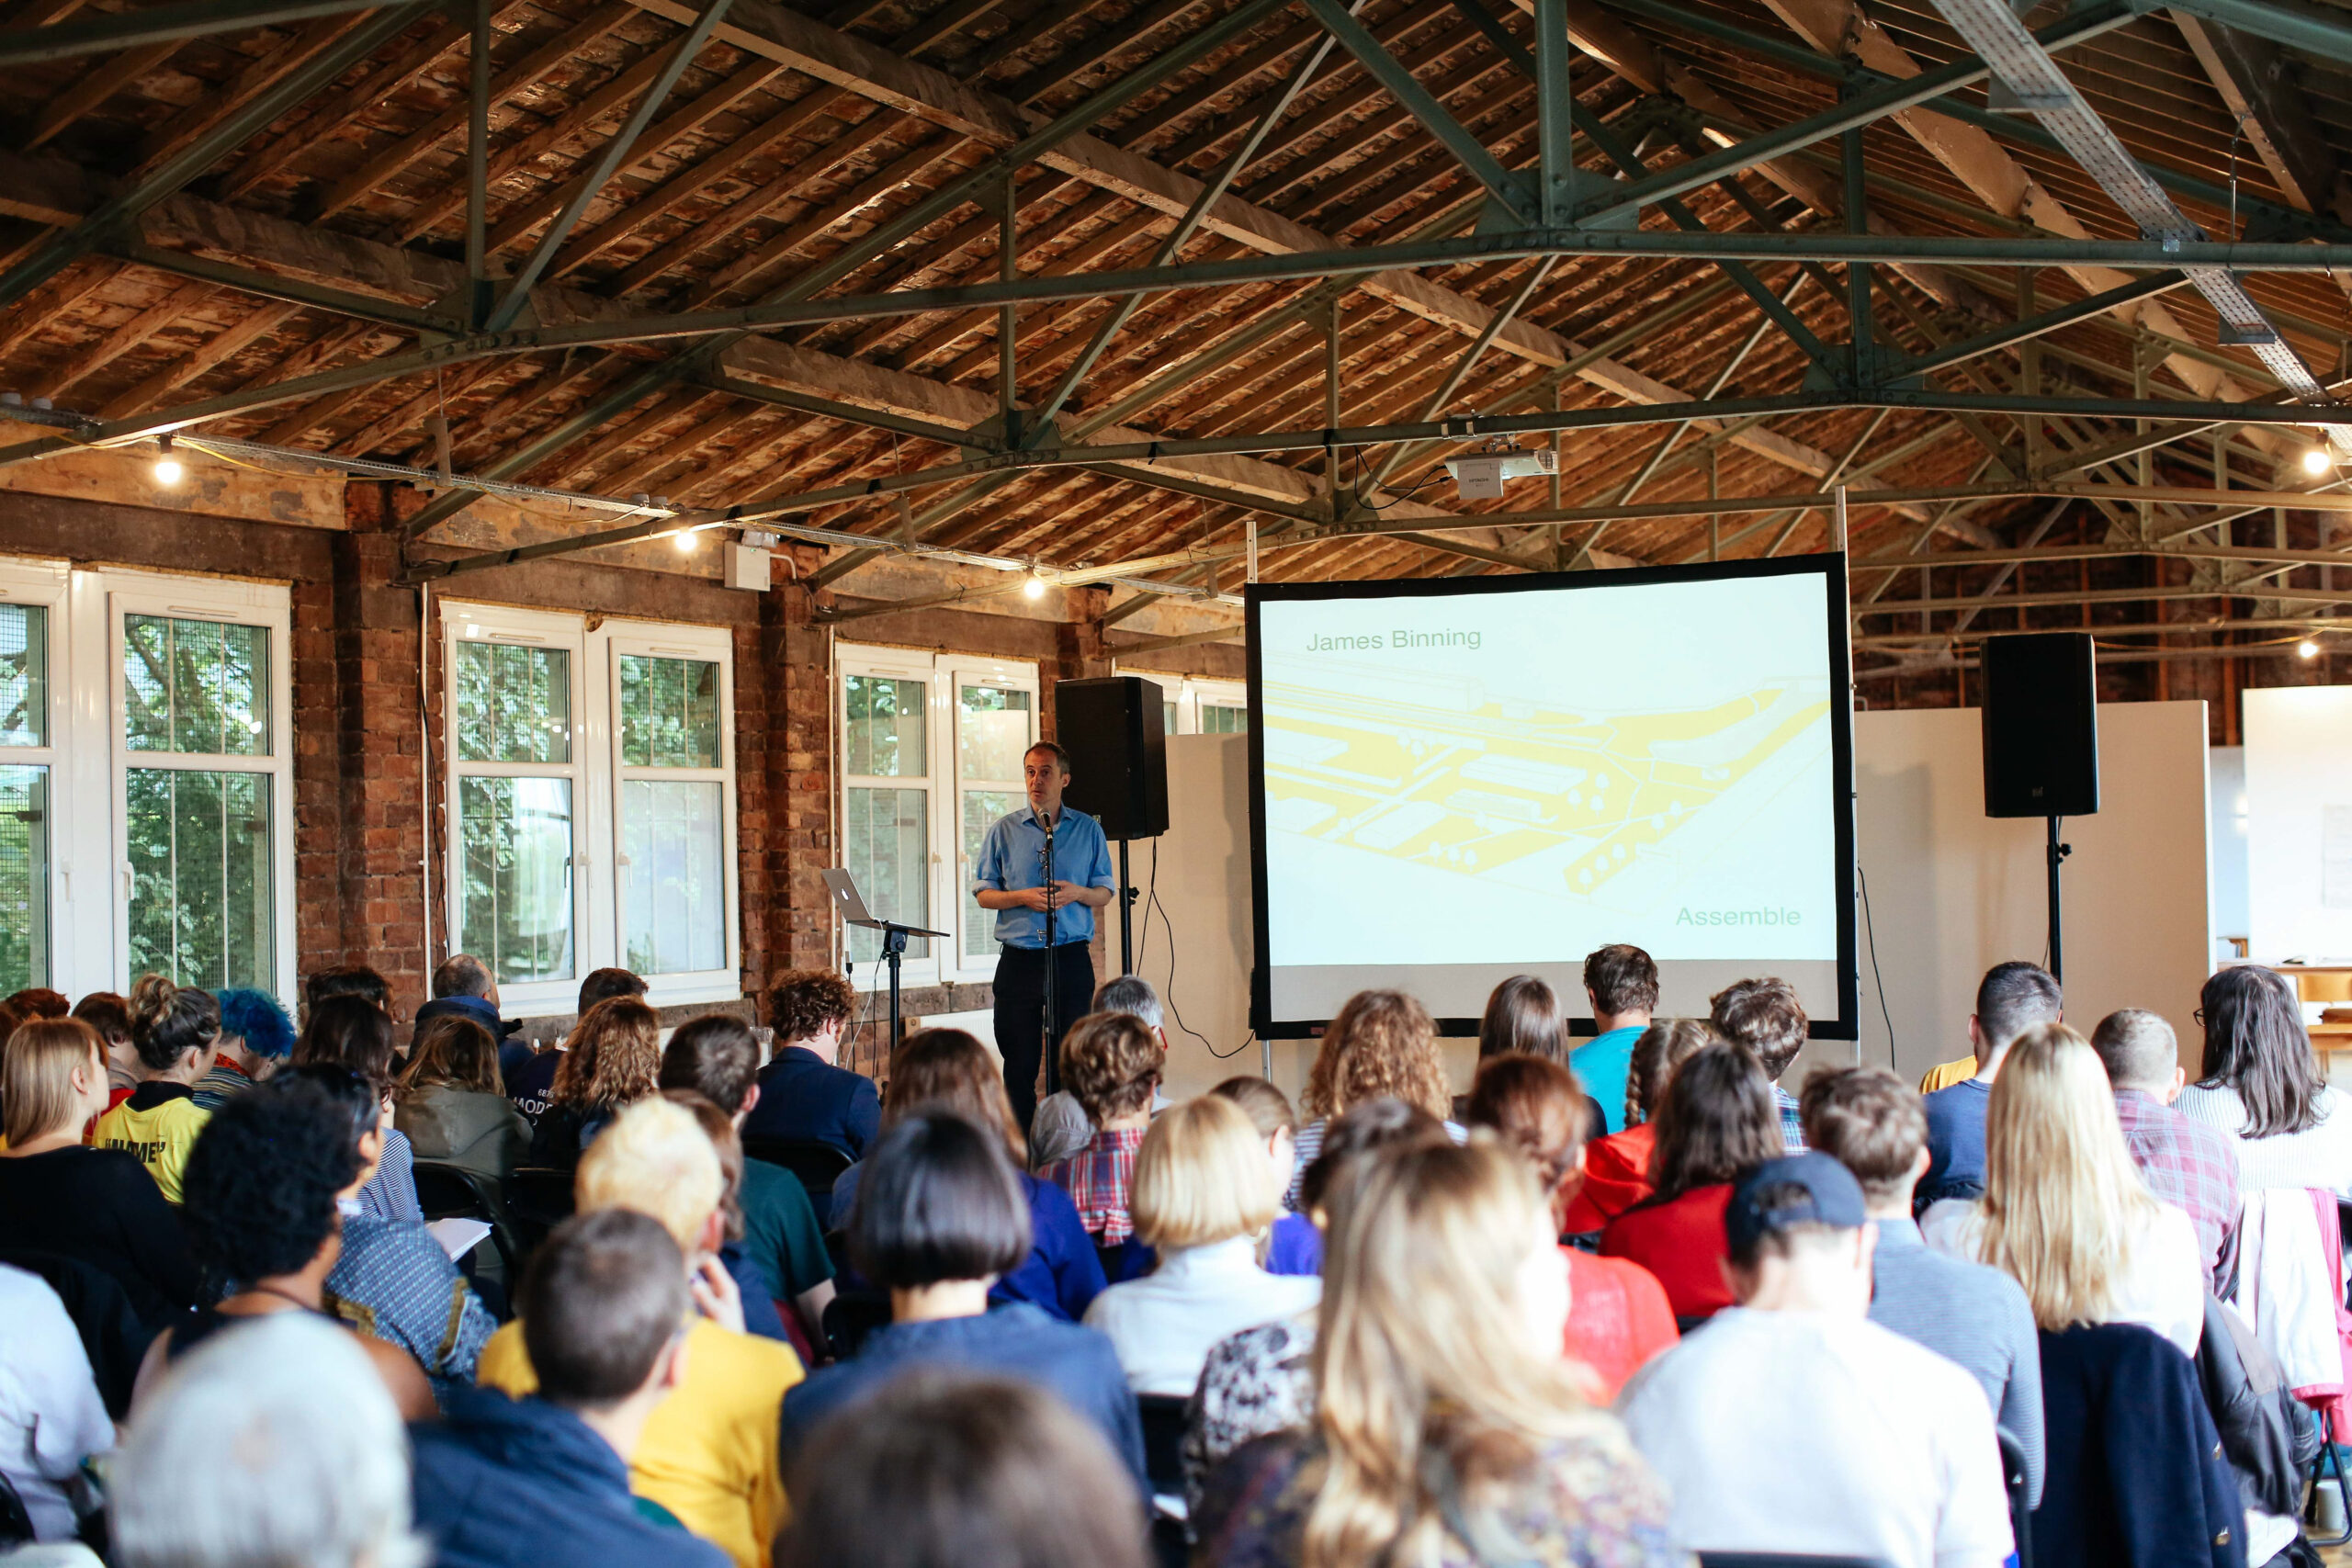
pixel 1112 1062
pixel 1766 1017
pixel 2185 1163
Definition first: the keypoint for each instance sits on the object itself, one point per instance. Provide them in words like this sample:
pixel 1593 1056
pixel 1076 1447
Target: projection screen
pixel 1457 781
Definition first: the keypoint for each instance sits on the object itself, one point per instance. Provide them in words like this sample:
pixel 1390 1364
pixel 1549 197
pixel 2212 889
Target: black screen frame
pixel 1831 567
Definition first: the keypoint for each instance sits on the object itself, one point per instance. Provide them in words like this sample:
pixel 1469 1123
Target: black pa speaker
pixel 2041 725
pixel 1118 753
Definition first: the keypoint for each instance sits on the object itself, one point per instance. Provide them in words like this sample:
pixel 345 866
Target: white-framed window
pixel 591 799
pixel 146 779
pixel 1188 706
pixel 930 757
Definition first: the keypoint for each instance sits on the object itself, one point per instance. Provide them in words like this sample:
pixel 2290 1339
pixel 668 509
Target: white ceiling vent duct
pixel 2032 81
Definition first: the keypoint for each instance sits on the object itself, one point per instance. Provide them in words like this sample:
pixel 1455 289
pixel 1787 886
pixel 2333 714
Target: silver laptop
pixel 852 904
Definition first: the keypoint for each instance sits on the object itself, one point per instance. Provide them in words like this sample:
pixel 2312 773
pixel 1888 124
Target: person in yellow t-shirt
pixel 1943 1074
pixel 708 1451
pixel 174 1029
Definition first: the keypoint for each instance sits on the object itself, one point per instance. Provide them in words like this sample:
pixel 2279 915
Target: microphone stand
pixel 1053 1054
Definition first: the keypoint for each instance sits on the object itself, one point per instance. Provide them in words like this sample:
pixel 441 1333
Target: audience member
pixel 52 1418
pixel 805 1095
pixel 350 1031
pixel 1202 1199
pixel 1717 1121
pixel 1870 1122
pixel 1621 986
pixel 531 1086
pixel 351 980
pixel 1618 1314
pixel 708 1451
pixel 940 1216
pixel 2187 1164
pixel 453 1107
pixel 1262 1380
pixel 1060 1127
pixel 1448 1431
pixel 2065 1212
pixel 391 1278
pixel 2260 1084
pixel 35 1002
pixel 1113 1064
pixel 109 1014
pixel 275 1444
pixel 463 987
pixel 1617 1167
pixel 943 1469
pixel 763 1314
pixel 62 1196
pixel 262 1187
pixel 1794 1424
pixel 715 1056
pixel 612 1060
pixel 1766 1017
pixel 1291 1244
pixel 256 1036
pixel 543 1482
pixel 174 1028
pixel 1380 1044
pixel 2011 999
pixel 948 1070
pixel 1524 1016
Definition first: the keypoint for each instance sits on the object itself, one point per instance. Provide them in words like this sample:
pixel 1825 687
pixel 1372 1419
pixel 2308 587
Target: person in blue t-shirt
pixel 2011 999
pixel 1046 932
pixel 1621 982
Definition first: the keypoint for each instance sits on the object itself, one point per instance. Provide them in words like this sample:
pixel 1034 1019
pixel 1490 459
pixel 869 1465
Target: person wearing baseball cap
pixel 1793 1423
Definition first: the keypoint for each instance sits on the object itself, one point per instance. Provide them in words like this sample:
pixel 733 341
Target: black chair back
pixel 850 1316
pixel 817 1166
pixel 1163 1441
pixel 538 1199
pixel 112 1335
pixel 2021 1508
pixel 448 1191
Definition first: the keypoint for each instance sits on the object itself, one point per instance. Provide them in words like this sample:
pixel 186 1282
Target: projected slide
pixel 1461 786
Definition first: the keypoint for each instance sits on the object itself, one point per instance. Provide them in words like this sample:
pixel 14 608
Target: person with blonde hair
pixel 708 1451
pixel 174 1029
pixel 613 1060
pixel 1113 1061
pixel 1202 1200
pixel 1381 1045
pixel 61 1195
pixel 2065 1212
pixel 1448 1431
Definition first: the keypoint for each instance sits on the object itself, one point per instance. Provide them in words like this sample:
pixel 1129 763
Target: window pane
pixel 669 712
pixel 981 808
pixel 677 875
pixel 886 737
pixel 887 838
pixel 24 877
pixel 992 733
pixel 200 904
pixel 514 871
pixel 1219 720
pixel 1168 719
pixel 195 686
pixel 511 705
pixel 23 676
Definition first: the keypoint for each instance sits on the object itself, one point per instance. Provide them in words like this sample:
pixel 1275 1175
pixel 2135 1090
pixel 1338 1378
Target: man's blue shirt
pixel 1601 1063
pixel 1013 857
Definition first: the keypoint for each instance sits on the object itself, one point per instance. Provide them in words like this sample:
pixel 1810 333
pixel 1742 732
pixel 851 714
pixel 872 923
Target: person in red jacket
pixel 1617 1315
pixel 1617 1167
pixel 1717 1120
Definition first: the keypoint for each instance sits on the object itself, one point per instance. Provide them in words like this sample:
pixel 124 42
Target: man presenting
pixel 1009 878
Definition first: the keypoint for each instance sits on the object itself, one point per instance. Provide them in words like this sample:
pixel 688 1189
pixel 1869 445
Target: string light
pixel 1035 587
pixel 685 540
pixel 2316 461
pixel 2307 648
pixel 169 469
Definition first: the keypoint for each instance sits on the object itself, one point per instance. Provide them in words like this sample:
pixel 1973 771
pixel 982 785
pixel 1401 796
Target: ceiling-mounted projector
pixel 1480 476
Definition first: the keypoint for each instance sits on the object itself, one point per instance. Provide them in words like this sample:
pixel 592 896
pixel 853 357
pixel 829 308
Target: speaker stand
pixel 1129 893
pixel 2056 853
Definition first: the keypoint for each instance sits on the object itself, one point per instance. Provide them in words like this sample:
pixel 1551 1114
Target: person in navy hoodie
pixel 463 985
pixel 543 1482
pixel 803 1094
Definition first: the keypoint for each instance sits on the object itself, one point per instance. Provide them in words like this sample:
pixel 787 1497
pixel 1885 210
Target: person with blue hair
pixel 256 1037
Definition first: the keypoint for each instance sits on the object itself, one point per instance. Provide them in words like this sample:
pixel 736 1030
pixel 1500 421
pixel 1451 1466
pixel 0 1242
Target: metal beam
pixel 291 290
pixel 2312 28
pixel 852 414
pixel 161 24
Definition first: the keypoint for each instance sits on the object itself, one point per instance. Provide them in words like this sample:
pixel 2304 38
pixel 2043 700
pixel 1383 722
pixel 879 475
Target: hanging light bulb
pixel 2316 461
pixel 685 540
pixel 2307 648
pixel 1035 587
pixel 169 469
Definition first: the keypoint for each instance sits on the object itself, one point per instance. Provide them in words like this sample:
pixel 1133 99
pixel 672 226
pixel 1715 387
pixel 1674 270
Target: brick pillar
pixel 379 739
pixel 318 781
pixel 796 829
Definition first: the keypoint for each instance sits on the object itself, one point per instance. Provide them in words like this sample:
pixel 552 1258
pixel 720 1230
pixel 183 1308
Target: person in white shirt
pixel 1793 1423
pixel 2065 1212
pixel 2259 1083
pixel 1201 1197
pixel 51 1415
